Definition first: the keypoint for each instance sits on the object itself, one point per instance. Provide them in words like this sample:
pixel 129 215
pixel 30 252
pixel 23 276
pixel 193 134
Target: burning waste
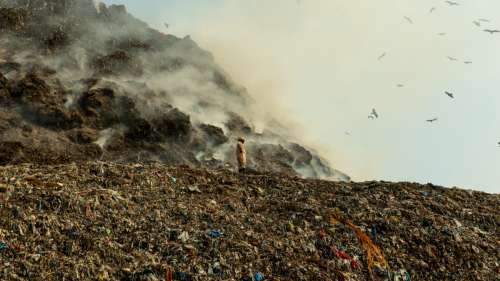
pixel 80 80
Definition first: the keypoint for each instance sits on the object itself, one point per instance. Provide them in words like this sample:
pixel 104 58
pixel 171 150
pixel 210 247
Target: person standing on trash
pixel 241 154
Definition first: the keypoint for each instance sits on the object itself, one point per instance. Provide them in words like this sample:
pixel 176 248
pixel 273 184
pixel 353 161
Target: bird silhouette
pixel 166 25
pixel 400 85
pixel 467 62
pixel 484 20
pixel 451 3
pixel 498 144
pixel 442 34
pixel 381 56
pixel 449 94
pixel 409 20
pixel 452 58
pixel 432 120
pixel 432 9
pixel 477 23
pixel 373 114
pixel 491 31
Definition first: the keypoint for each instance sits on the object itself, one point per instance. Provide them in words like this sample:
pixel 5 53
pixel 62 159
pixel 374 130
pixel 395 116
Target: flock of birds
pixel 375 115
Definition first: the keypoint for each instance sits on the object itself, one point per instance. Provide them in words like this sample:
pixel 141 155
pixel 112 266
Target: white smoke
pixel 173 72
pixel 106 134
pixel 98 5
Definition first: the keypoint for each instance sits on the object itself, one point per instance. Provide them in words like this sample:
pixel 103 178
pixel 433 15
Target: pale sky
pixel 318 60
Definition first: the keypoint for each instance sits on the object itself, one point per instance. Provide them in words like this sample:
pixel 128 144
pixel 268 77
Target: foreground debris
pixel 103 221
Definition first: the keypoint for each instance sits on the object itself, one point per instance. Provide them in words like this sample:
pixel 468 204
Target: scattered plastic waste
pixel 169 275
pixel 184 237
pixel 373 232
pixel 182 276
pixel 342 255
pixel 194 189
pixel 259 276
pixel 355 264
pixel 215 234
pixel 128 223
pixel 374 255
pixel 322 234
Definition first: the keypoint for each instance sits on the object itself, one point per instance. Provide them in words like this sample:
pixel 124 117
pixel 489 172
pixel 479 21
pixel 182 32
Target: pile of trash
pixel 106 221
pixel 83 81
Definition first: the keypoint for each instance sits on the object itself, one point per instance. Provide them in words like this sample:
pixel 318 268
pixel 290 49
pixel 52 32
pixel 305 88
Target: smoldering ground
pixel 113 71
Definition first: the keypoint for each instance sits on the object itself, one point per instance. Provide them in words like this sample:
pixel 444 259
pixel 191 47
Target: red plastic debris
pixel 354 264
pixel 322 234
pixel 342 255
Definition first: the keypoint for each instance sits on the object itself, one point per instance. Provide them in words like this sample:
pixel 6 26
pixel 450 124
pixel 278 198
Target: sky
pixel 317 62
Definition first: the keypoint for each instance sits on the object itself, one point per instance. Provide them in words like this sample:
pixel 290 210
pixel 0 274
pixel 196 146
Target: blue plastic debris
pixel 373 232
pixel 3 246
pixel 259 276
pixel 215 234
pixel 182 276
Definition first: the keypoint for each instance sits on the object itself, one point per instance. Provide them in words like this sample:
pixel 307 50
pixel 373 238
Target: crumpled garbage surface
pixel 104 221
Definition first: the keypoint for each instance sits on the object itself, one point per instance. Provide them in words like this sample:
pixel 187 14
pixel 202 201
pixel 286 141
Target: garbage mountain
pixel 107 221
pixel 80 80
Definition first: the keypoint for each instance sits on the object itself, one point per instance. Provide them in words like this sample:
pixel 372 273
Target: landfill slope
pixel 80 81
pixel 104 221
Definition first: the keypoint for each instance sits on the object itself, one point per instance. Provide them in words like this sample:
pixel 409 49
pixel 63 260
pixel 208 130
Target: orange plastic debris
pixel 374 255
pixel 334 221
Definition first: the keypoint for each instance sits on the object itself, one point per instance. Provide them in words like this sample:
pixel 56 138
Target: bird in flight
pixel 467 62
pixel 499 144
pixel 452 58
pixel 166 25
pixel 373 114
pixel 442 34
pixel 477 23
pixel 409 20
pixel 432 9
pixel 451 3
pixel 381 56
pixel 449 94
pixel 484 20
pixel 491 31
pixel 400 85
pixel 432 120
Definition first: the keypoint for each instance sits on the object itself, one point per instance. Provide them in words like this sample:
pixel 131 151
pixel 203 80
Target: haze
pixel 315 64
